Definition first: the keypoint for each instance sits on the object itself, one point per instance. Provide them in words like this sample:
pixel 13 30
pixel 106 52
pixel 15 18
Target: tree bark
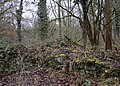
pixel 108 15
pixel 19 18
pixel 42 20
pixel 59 20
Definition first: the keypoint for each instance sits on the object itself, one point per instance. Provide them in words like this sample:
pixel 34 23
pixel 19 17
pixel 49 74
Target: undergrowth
pixel 56 64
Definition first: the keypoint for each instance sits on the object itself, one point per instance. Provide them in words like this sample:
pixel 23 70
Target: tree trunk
pixel 59 16
pixel 42 20
pixel 19 18
pixel 87 27
pixel 108 15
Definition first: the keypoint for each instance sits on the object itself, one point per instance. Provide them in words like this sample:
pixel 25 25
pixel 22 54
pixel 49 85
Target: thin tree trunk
pixel 19 18
pixel 69 18
pixel 59 16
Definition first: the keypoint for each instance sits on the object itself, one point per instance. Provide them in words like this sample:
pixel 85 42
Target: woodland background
pixel 59 42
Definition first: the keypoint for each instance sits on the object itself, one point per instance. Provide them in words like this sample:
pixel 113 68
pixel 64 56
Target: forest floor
pixel 58 66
